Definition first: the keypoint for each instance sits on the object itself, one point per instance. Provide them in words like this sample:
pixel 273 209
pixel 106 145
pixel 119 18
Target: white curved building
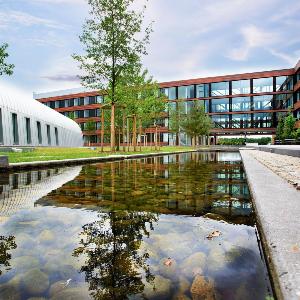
pixel 26 122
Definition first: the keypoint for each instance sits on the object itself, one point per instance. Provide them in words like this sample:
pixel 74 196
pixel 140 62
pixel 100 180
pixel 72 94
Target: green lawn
pixel 45 154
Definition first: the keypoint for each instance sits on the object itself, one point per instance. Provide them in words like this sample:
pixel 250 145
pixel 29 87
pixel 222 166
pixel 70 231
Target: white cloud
pixel 253 37
pixel 14 17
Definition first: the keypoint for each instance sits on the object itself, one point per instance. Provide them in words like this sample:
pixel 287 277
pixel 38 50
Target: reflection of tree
pixel 115 264
pixel 6 244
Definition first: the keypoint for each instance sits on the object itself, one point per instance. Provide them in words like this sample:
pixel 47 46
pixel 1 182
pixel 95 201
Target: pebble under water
pixel 170 227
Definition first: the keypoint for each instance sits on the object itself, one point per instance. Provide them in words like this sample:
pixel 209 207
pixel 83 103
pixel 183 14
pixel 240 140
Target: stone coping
pixel 291 150
pixel 277 206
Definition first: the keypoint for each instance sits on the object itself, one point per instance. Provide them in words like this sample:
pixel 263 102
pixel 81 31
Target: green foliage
pixel 286 128
pixel 5 68
pixel 90 126
pixel 114 40
pixel 196 122
pixel 241 141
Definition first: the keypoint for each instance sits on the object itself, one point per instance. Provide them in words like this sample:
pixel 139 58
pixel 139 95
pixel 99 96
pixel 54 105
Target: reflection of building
pixel 242 103
pixel 25 122
pixel 21 190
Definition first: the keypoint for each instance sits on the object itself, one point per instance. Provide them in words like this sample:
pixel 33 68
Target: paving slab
pixel 277 206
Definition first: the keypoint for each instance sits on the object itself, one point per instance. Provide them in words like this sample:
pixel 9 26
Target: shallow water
pixel 132 230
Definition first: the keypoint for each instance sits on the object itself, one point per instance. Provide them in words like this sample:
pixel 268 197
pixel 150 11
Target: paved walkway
pixel 277 206
pixel 291 150
pixel 287 167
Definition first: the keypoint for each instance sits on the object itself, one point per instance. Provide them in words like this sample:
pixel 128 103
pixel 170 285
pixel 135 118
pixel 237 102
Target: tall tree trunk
pixel 140 129
pixel 112 128
pixel 134 133
pixel 155 138
pixel 102 129
pixel 123 129
pixel 128 136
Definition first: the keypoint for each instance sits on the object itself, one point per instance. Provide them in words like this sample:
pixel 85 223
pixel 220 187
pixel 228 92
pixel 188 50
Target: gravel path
pixel 287 167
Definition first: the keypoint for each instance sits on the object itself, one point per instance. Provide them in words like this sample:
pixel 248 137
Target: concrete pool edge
pixel 87 160
pixel 276 207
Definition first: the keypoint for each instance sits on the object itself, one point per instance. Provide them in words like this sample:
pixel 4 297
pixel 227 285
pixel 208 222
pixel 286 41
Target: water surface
pixel 134 229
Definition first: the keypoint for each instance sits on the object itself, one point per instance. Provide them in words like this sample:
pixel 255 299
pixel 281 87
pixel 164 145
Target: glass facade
pixel 186 92
pixel 262 120
pixel 241 121
pixel 56 136
pixel 220 88
pixel 262 102
pixel 48 134
pixel 263 85
pixel 283 101
pixel 202 90
pixel 284 83
pixel 220 105
pixel 172 93
pixel 241 87
pixel 241 104
pixel 221 121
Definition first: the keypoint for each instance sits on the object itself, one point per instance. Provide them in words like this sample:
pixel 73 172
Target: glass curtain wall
pixel 263 85
pixel 262 102
pixel 220 121
pixel 241 121
pixel 262 120
pixel 202 90
pixel 186 92
pixel 220 88
pixel 28 131
pixel 15 129
pixel 220 105
pixel 241 87
pixel 241 104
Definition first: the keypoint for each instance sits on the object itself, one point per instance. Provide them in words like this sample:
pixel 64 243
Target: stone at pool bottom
pixel 35 282
pixel 203 288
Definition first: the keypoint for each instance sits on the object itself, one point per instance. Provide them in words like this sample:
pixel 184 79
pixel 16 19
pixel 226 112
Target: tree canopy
pixel 5 68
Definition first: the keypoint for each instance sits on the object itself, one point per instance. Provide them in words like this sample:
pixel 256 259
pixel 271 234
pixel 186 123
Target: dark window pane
pixel 48 134
pixel 56 136
pixel 39 130
pixel 221 121
pixel 241 121
pixel 262 120
pixel 28 131
pixel 15 129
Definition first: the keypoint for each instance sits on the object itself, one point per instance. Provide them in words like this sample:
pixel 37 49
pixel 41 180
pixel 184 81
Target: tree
pixel 90 127
pixel 5 68
pixel 289 127
pixel 114 40
pixel 196 122
pixel 279 129
pixel 140 97
pixel 175 118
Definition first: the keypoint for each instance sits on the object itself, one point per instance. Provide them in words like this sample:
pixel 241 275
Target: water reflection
pixel 115 267
pixel 7 243
pixel 135 229
pixel 21 190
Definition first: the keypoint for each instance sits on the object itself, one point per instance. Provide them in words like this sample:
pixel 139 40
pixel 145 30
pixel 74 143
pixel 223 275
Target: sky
pixel 191 39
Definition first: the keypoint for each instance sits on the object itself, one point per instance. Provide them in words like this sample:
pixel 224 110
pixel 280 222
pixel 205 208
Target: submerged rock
pixel 160 287
pixel 46 236
pixel 8 292
pixel 35 282
pixel 203 288
pixel 194 264
pixel 217 260
pixel 181 297
pixel 74 293
pixel 24 263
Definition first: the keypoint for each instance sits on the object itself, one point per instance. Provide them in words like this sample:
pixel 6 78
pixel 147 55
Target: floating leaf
pixel 213 234
pixel 168 262
pixel 295 249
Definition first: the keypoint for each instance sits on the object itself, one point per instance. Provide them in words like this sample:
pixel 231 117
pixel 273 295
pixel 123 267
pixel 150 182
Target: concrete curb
pixel 281 150
pixel 278 214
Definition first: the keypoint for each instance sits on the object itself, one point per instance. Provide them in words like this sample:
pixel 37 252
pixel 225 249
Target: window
pixel 206 105
pixel 79 114
pixel 52 104
pixel 263 85
pixel 186 92
pixel 220 105
pixel 283 101
pixel 56 136
pixel 86 100
pixel 56 104
pixel 99 99
pixel 71 102
pixel 48 134
pixel 1 128
pixel 61 103
pixel 164 92
pixel 241 104
pixel 262 120
pixel 172 93
pixel 220 88
pixel 241 121
pixel 28 131
pixel 241 87
pixel 262 102
pixel 39 130
pixel 202 90
pixel 15 129
pixel 284 83
pixel 221 121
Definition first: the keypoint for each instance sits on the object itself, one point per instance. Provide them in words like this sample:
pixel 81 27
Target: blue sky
pixel 192 38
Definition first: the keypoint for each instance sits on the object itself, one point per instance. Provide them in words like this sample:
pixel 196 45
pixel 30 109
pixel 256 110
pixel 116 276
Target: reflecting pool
pixel 170 227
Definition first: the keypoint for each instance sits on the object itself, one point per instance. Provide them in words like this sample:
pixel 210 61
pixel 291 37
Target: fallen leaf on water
pixel 295 249
pixel 213 234
pixel 168 262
